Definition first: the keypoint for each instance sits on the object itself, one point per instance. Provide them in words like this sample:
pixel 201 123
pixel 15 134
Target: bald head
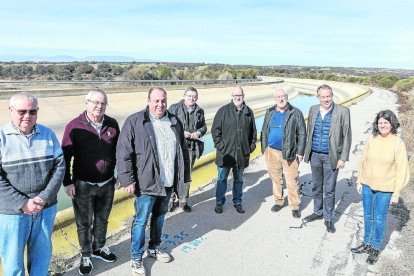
pixel 238 96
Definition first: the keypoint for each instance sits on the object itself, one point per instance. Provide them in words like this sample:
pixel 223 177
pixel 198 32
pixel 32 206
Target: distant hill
pixel 66 58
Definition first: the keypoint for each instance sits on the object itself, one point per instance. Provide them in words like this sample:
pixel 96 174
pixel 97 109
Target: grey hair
pixel 324 86
pixel 280 89
pixel 26 95
pixel 192 89
pixel 90 94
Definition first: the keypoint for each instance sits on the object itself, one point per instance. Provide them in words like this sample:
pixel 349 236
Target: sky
pixel 352 33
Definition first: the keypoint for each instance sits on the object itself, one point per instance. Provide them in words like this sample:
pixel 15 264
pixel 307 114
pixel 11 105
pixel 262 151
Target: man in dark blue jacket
pixel 283 145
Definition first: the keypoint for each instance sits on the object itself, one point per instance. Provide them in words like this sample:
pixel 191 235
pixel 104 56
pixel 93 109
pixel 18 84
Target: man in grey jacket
pixel 152 160
pixel 32 168
pixel 328 144
pixel 192 117
pixel 283 140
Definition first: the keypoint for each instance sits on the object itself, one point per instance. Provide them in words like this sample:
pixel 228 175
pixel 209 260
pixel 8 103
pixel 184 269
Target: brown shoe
pixel 239 208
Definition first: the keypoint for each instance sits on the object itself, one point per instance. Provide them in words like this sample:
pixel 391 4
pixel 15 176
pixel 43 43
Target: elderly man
pixel 152 160
pixel 89 142
pixel 192 118
pixel 283 144
pixel 327 148
pixel 31 172
pixel 234 135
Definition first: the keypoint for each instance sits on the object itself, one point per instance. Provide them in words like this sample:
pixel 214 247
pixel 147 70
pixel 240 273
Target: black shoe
pixel 218 209
pixel 330 226
pixel 174 206
pixel 86 266
pixel 296 213
pixel 373 256
pixel 363 248
pixel 313 217
pixel 104 254
pixel 239 208
pixel 276 208
pixel 186 208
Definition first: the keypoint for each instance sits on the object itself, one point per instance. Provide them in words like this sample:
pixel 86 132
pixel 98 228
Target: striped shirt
pixel 29 167
pixel 166 148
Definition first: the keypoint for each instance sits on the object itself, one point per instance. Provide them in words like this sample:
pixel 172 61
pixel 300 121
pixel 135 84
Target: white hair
pixel 23 95
pixel 90 94
pixel 280 89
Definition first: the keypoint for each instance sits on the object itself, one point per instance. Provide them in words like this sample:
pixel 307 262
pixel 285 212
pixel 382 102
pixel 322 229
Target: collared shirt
pixel 96 126
pixel 166 148
pixel 324 112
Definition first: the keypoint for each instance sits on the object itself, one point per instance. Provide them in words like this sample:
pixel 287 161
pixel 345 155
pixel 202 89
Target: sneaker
pixel 138 267
pixel 86 266
pixel 373 256
pixel 363 248
pixel 276 208
pixel 159 255
pixel 104 254
pixel 218 209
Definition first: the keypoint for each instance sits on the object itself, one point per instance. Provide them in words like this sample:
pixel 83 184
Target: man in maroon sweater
pixel 89 145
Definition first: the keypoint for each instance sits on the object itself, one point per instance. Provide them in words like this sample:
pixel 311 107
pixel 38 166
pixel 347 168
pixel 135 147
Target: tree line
pixel 123 71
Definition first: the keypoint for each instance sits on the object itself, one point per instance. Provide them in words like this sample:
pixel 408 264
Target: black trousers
pixel 92 205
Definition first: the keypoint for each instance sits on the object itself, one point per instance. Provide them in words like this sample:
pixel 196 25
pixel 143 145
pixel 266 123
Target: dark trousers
pixel 92 205
pixel 324 184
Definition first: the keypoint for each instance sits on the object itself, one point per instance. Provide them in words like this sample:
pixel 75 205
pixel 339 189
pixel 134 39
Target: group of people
pixel 153 156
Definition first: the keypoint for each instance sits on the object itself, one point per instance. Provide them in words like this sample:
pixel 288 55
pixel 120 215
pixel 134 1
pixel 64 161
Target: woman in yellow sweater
pixel 382 173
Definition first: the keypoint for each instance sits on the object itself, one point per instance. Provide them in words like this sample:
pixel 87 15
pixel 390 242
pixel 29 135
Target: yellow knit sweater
pixel 384 164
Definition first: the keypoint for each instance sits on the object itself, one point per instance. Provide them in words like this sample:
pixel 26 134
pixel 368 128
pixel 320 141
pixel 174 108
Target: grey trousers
pixel 92 205
pixel 324 185
pixel 186 188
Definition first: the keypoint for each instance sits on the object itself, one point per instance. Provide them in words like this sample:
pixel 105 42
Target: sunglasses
pixel 23 112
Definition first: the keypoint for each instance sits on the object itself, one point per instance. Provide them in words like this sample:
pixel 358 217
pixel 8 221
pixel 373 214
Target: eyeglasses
pixel 96 103
pixel 238 96
pixel 23 112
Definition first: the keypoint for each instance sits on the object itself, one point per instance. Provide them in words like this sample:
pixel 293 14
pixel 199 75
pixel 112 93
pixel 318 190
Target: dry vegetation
pixel 405 263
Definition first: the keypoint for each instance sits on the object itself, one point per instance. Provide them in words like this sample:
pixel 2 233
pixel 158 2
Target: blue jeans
pixel 375 205
pixel 33 231
pixel 144 206
pixel 324 185
pixel 223 174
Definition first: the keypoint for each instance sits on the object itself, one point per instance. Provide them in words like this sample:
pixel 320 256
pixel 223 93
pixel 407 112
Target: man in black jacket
pixel 283 140
pixel 192 118
pixel 234 135
pixel 152 160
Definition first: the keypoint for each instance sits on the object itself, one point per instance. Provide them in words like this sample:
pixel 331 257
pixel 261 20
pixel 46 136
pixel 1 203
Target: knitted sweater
pixel 384 164
pixel 29 167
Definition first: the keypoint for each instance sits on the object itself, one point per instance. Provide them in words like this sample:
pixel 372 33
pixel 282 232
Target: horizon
pixel 257 33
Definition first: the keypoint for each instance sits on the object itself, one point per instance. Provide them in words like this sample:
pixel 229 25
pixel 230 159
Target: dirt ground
pixel 405 264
